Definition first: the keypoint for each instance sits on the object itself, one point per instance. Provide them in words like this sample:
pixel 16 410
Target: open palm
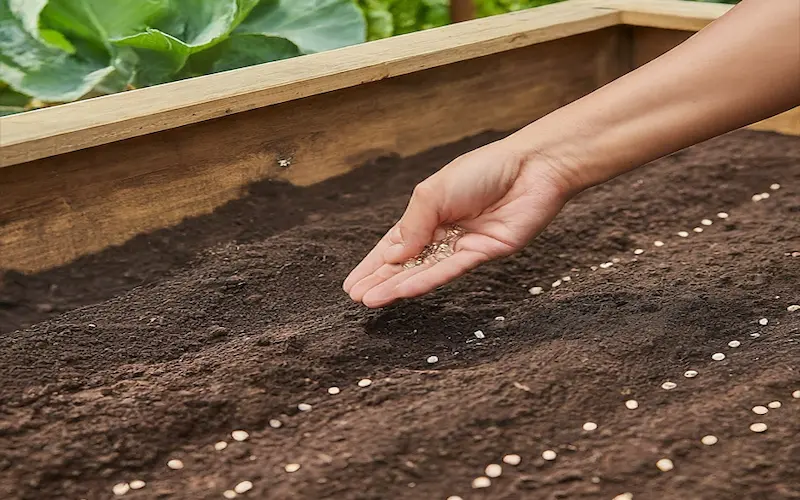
pixel 501 200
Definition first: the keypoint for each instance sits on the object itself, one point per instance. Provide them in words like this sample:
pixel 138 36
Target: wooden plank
pixel 55 209
pixel 649 43
pixel 667 14
pixel 62 129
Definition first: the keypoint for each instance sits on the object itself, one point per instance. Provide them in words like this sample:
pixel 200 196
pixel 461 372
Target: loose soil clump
pixel 154 352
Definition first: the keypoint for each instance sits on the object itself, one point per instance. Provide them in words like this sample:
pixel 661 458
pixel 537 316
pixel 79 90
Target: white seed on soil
pixel 760 410
pixel 763 321
pixel 756 197
pixel 709 440
pixel 764 196
pixel 292 468
pixel 683 234
pixel 631 404
pixel 137 484
pixel 364 382
pixel 706 222
pixel 593 268
pixel 479 335
pixel 658 243
pixel 275 423
pixel 549 455
pixel 734 343
pixel 500 318
pixel 454 497
pixel 690 373
pixel 333 391
pixel 774 404
pixel 304 407
pixel 616 260
pixel 493 470
pixel 512 459
pixel 624 496
pixel 481 482
pixel 796 394
pixel 175 464
pixel 698 230
pixel 536 290
pixel 221 445
pixel 243 487
pixel 792 308
pixel 120 489
pixel 556 283
pixel 758 427
pixel 229 494
pixel 240 435
pixel 638 251
pixel 606 265
pixel 669 385
pixel 589 426
pixel 775 186
pixel 717 356
pixel 566 278
pixel 722 215
pixel 665 465
pixel 432 359
pixel 755 335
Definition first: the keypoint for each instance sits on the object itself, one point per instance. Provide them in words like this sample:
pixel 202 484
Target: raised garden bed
pixel 164 286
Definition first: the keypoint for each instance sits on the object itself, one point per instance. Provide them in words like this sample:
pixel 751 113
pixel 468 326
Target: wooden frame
pixel 77 178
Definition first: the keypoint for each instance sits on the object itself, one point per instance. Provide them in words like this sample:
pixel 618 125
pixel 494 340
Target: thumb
pixel 417 226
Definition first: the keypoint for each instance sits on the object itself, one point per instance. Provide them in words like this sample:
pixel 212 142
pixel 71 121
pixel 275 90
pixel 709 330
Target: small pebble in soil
pixel 292 468
pixel 775 186
pixel 549 455
pixel 717 356
pixel 722 215
pixel 304 407
pixel 796 394
pixel 481 482
pixel 493 470
pixel 556 283
pixel 758 427
pixel 120 489
pixel 229 494
pixel 665 465
pixel 175 464
pixel 658 243
pixel 512 459
pixel 683 234
pixel 669 385
pixel 243 487
pixel 624 496
pixel 631 404
pixel 698 230
pixel 792 308
pixel 364 382
pixel 275 423
pixel 479 335
pixel 333 391
pixel 638 251
pixel 432 359
pixel 706 222
pixel 763 321
pixel 137 484
pixel 536 290
pixel 690 373
pixel 774 405
pixel 734 343
pixel 500 318
pixel 709 440
pixel 240 435
pixel 220 445
pixel 589 426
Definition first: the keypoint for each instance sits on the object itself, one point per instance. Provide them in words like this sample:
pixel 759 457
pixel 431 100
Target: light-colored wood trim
pixel 667 14
pixel 61 129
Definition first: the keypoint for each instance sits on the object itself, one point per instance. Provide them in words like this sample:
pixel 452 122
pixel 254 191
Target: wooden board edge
pixel 83 124
pixel 668 14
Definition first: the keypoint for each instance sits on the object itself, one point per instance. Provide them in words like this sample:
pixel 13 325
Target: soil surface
pixel 156 350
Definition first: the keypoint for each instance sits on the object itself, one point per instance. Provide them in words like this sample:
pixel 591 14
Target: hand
pixel 500 197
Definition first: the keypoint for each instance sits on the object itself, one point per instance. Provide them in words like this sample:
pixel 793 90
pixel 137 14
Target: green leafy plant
pixel 54 51
pixel 386 18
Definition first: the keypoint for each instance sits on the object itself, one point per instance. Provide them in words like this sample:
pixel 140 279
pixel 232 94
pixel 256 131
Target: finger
pixel 417 225
pixel 408 285
pixel 368 264
pixel 383 273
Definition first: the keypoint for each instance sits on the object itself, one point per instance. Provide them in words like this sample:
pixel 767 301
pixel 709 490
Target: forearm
pixel 741 69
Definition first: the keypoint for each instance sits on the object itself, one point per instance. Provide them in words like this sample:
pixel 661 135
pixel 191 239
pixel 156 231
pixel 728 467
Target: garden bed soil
pixel 157 349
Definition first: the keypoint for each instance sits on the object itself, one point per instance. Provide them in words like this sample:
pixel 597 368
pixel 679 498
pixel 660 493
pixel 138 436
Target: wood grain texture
pixel 667 14
pixel 55 209
pixel 61 129
pixel 649 43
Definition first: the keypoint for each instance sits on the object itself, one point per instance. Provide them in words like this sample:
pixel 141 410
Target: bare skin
pixel 742 68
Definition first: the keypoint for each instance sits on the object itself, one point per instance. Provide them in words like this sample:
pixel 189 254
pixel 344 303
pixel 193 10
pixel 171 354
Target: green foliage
pixel 62 50
pixel 396 17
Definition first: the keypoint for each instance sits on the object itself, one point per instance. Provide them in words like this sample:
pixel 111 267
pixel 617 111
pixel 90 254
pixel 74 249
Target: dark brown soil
pixel 160 348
